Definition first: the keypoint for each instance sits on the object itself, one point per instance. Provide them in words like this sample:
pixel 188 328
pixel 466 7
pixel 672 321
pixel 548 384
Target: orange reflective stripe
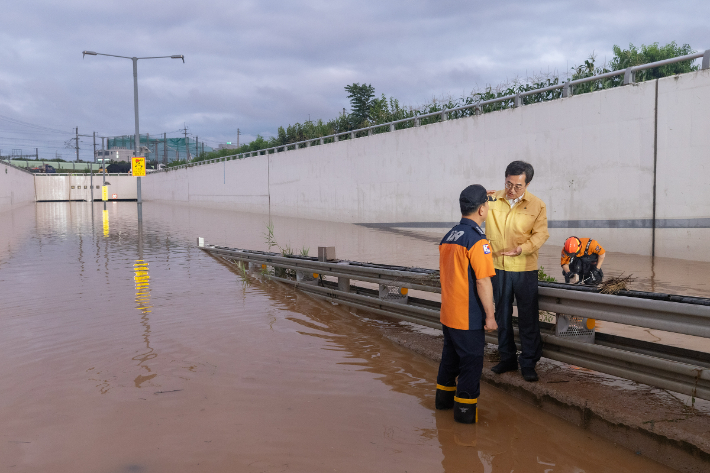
pixel 465 401
pixel 445 388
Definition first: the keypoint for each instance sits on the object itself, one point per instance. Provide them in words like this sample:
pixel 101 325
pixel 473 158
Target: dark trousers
pixel 583 265
pixel 522 285
pixel 462 356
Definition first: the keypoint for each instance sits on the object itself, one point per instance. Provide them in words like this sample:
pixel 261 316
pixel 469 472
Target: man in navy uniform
pixel 465 269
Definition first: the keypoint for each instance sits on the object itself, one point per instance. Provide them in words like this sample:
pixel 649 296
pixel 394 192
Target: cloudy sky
pixel 257 65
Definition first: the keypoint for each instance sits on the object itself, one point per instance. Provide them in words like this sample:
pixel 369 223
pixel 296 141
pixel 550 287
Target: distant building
pixel 114 155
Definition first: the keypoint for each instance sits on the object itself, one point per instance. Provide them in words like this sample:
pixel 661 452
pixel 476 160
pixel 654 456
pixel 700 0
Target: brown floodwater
pixel 126 349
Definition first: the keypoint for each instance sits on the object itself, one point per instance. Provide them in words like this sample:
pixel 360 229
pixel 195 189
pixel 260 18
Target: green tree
pixel 360 102
pixel 634 56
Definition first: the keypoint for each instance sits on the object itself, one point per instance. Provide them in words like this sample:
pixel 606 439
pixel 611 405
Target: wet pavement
pixel 125 348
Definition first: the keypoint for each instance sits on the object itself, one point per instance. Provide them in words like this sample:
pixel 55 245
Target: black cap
pixel 474 195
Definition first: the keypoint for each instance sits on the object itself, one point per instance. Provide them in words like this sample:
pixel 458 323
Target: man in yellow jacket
pixel 516 228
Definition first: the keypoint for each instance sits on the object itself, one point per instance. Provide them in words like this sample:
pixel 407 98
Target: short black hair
pixel 472 198
pixel 467 208
pixel 517 168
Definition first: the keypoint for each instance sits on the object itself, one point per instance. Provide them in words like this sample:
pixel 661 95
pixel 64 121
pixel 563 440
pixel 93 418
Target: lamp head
pixel 178 56
pixel 90 53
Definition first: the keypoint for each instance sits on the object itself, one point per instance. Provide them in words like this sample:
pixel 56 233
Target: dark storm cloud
pixel 258 65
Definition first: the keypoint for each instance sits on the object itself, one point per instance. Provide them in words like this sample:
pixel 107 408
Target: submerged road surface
pixel 125 349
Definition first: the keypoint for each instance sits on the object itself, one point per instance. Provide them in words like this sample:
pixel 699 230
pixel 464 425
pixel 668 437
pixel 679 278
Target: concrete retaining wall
pixel 593 154
pixel 54 187
pixel 17 187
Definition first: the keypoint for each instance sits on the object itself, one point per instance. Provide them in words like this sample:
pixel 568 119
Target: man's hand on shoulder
pixel 515 252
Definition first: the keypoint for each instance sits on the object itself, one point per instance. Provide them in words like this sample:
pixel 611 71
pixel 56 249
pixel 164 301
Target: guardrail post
pixel 566 91
pixel 416 122
pixel 477 110
pixel 352 135
pixel 344 284
pixel 628 76
pixel 391 126
pixel 706 59
pixel 517 101
pixel 308 144
pixel 335 138
pixel 322 141
pixel 444 116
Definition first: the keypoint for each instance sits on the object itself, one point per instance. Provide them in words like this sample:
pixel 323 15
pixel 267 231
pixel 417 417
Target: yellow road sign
pixel 138 167
pixel 104 193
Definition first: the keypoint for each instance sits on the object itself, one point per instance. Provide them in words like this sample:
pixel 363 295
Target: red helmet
pixel 572 245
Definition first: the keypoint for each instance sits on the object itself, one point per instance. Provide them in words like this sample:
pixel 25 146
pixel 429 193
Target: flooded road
pixel 126 349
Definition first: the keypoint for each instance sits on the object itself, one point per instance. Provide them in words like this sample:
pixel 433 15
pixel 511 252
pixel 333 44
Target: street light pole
pixel 137 140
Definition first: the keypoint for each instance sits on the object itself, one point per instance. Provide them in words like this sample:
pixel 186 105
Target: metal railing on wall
pixel 517 100
pixel 662 366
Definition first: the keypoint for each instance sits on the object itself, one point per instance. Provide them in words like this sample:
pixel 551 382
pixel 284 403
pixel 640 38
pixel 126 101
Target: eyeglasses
pixel 518 187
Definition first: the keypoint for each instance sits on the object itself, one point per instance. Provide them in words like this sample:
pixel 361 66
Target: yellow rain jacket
pixel 524 225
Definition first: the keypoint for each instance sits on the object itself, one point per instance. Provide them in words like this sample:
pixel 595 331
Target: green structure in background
pixel 59 166
pixel 161 149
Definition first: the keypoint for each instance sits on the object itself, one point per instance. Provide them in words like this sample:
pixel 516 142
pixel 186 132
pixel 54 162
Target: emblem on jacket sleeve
pixel 486 248
pixel 455 236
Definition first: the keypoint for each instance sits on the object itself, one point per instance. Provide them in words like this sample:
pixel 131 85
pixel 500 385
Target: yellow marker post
pixel 105 221
pixel 104 193
pixel 138 167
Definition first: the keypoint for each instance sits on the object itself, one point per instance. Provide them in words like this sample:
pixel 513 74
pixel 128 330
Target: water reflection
pixel 142 283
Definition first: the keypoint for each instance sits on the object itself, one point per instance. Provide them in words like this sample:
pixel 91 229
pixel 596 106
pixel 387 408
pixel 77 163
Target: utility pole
pixel 165 148
pixel 77 143
pixel 187 145
pixel 237 138
pixel 197 146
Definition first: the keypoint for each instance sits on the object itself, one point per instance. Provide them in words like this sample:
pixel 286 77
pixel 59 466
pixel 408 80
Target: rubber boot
pixel 445 397
pixel 465 409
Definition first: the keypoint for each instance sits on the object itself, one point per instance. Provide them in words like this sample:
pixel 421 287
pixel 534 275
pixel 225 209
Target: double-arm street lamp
pixel 135 97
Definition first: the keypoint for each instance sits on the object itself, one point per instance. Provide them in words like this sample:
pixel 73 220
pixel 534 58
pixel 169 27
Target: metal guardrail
pixel 517 99
pixel 649 365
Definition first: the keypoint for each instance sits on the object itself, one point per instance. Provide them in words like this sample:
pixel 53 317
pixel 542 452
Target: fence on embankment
pixel 613 164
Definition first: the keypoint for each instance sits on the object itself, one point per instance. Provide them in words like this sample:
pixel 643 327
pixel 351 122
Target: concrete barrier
pixel 598 158
pixel 56 187
pixel 17 187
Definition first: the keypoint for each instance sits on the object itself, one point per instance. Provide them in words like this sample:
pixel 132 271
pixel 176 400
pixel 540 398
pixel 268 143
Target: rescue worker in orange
pixel 582 260
pixel 517 228
pixel 465 268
